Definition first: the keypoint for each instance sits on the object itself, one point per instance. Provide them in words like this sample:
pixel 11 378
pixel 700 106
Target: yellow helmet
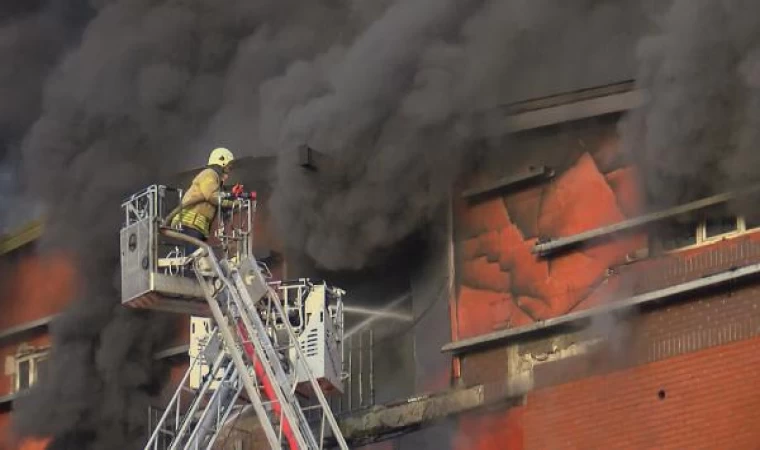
pixel 220 157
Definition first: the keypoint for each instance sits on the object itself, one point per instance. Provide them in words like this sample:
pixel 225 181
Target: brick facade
pixel 693 263
pixel 706 399
pixel 700 400
pixel 675 375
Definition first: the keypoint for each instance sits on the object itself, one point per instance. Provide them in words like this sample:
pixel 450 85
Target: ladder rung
pixel 310 408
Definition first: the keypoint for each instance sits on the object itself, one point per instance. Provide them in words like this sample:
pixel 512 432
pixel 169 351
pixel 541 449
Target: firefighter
pixel 200 202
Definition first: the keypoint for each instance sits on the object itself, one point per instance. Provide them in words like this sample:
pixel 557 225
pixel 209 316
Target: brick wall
pixel 725 316
pixel 38 286
pixel 701 400
pixel 5 420
pixel 693 263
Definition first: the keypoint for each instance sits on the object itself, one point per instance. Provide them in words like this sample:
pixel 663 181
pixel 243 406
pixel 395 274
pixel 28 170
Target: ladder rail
pixel 250 387
pixel 255 329
pixel 295 426
pixel 275 300
pixel 239 297
pixel 174 401
pixel 224 417
pixel 196 403
pixel 269 384
pixel 215 403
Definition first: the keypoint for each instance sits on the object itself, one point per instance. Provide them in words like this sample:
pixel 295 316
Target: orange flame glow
pixel 40 285
pixel 34 444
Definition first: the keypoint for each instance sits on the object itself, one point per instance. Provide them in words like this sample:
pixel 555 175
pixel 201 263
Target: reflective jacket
pixel 200 202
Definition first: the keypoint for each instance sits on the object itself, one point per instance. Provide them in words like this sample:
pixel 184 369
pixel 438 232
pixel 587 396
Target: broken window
pixel 750 222
pixel 677 234
pixel 719 226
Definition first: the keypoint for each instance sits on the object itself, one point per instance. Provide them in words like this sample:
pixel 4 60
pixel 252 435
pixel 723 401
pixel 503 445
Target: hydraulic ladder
pixel 250 356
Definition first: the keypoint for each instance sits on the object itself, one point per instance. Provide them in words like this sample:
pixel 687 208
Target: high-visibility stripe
pixel 195 220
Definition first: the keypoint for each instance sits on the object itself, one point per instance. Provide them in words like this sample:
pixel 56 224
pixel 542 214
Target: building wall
pixel 502 284
pixel 705 399
pixel 675 375
pixel 34 288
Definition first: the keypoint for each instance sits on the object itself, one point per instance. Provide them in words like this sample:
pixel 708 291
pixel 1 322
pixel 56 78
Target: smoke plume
pixel 398 112
pixel 33 34
pixel 396 93
pixel 131 103
pixel 698 132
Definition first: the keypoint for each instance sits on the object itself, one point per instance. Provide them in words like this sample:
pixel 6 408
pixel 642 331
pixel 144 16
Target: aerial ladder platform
pixel 273 345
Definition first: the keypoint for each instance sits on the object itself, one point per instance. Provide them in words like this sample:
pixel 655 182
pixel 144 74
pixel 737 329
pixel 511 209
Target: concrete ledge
pixel 25 328
pixel 509 182
pixel 6 401
pixel 572 106
pixel 383 422
pixel 563 243
pixel 20 237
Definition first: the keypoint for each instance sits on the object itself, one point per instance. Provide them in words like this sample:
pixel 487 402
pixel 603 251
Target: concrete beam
pixel 564 243
pixel 6 401
pixel 615 98
pixel 384 422
pixel 17 331
pixel 509 182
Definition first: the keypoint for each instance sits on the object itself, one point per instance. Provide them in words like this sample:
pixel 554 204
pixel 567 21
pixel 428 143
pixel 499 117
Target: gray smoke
pixel 697 134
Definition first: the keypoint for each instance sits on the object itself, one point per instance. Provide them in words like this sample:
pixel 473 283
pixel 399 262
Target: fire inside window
pixel 30 366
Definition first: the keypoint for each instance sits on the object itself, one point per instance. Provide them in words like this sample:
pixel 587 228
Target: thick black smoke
pixel 33 35
pixel 130 104
pixel 698 132
pixel 398 112
pixel 395 92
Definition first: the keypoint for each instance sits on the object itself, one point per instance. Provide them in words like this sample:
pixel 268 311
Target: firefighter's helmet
pixel 220 157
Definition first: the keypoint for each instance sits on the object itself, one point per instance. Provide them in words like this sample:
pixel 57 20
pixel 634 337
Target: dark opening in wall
pixel 379 356
pixel 661 394
pixel 679 234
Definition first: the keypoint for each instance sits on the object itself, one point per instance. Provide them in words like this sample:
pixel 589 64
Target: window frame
pixel 33 357
pixel 701 238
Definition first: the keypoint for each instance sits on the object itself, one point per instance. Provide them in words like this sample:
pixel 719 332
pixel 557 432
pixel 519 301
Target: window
pixel 31 366
pixel 750 222
pixel 714 227
pixel 678 235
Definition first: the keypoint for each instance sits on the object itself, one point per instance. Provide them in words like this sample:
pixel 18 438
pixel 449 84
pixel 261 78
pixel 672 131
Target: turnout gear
pixel 199 204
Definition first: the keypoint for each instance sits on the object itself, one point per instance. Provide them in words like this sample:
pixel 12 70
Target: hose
pixel 180 207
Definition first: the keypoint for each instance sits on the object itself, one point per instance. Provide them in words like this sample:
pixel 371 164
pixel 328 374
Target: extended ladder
pixel 258 353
